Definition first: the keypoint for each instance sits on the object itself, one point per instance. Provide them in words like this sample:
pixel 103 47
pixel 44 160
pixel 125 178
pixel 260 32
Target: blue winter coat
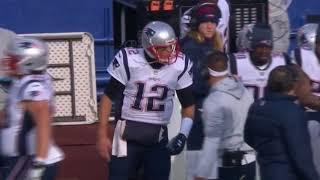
pixel 197 53
pixel 276 128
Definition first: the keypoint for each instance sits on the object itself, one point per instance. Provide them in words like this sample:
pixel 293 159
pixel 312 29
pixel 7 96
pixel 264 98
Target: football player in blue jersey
pixel 26 141
pixel 146 80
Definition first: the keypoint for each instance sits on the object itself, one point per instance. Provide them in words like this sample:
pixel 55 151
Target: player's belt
pixel 144 133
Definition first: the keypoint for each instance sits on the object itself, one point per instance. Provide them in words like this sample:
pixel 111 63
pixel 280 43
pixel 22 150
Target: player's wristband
pixel 186 125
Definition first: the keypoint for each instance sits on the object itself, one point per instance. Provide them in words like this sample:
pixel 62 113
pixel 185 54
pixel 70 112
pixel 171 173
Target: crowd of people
pixel 245 115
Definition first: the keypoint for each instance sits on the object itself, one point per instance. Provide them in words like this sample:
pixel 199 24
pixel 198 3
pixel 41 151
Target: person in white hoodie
pixel 225 155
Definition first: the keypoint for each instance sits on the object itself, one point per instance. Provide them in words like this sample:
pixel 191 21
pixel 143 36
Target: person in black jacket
pixel 276 128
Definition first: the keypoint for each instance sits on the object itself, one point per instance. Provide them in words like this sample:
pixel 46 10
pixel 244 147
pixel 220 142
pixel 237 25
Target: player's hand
pixel 104 147
pixel 37 170
pixel 176 144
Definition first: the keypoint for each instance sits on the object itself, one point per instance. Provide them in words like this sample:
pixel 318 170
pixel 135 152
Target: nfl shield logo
pixel 34 93
pixel 262 73
pixel 115 64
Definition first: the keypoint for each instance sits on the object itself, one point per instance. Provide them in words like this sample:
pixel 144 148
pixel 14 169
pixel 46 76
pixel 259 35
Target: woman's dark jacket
pixel 197 53
pixel 276 128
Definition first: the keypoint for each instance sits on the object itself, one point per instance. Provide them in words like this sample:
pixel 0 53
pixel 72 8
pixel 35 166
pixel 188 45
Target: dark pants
pixel 196 135
pixel 244 172
pixel 17 168
pixel 315 116
pixel 155 161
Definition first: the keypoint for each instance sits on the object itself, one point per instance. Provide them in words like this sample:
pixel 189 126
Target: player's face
pixel 165 54
pixel 261 54
pixel 9 66
pixel 207 29
pixel 164 51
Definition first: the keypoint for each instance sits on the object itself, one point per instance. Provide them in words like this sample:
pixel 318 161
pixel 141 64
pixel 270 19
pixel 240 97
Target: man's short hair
pixel 282 79
pixel 217 61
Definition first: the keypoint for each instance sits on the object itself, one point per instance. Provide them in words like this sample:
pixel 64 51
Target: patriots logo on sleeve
pixel 25 45
pixel 34 93
pixel 149 32
pixel 115 64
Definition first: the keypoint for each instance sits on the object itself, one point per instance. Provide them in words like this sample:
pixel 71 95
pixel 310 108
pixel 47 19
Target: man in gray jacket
pixel 224 113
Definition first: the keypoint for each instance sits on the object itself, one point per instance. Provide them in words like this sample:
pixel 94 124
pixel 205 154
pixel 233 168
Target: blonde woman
pixel 202 39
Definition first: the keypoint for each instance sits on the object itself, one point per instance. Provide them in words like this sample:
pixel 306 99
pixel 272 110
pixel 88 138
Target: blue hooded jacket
pixel 276 128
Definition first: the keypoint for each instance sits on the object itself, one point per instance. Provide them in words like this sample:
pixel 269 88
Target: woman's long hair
pixel 217 43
